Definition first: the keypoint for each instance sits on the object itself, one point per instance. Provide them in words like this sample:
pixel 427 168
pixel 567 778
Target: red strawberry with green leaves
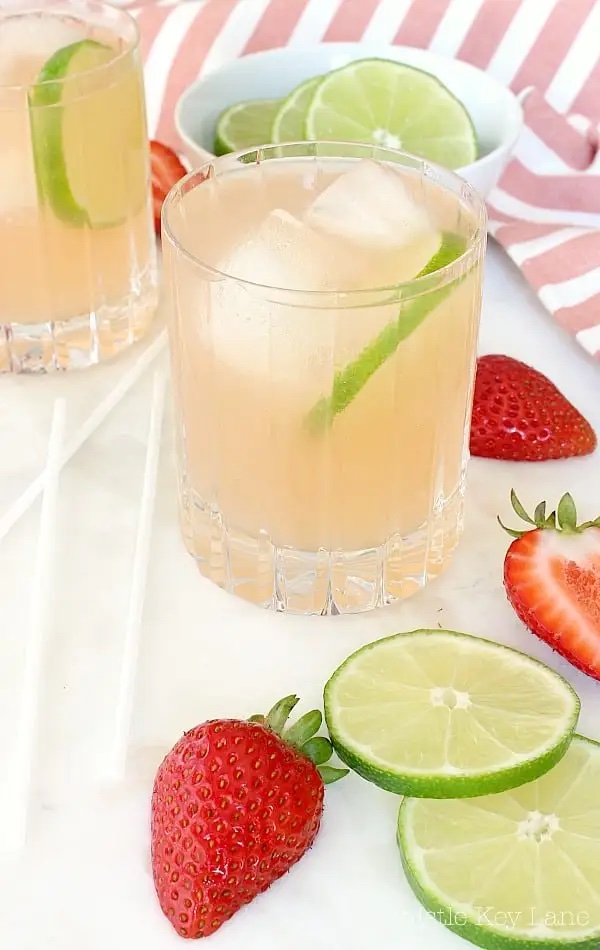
pixel 235 805
pixel 552 578
pixel 519 415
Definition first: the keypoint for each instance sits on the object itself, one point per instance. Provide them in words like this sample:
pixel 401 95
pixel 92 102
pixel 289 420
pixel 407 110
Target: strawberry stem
pixel 302 736
pixel 519 510
pixel 590 524
pixel 318 750
pixel 566 514
pixel 329 775
pixel 511 531
pixel 278 716
pixel 564 519
pixel 307 726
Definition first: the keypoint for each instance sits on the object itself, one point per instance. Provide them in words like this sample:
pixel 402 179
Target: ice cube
pixel 257 335
pixel 370 205
pixel 256 329
pixel 260 333
pixel 286 253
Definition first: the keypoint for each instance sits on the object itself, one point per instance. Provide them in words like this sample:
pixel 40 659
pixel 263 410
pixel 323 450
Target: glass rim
pixel 116 13
pixel 415 287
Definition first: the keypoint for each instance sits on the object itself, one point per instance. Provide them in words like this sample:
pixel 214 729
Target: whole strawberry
pixel 235 805
pixel 518 414
pixel 552 579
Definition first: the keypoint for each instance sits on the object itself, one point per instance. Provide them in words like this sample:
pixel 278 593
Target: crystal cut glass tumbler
pixel 77 249
pixel 323 304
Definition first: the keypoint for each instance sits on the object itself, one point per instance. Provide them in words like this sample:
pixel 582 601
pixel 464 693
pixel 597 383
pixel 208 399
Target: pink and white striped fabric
pixel 546 214
pixel 546 210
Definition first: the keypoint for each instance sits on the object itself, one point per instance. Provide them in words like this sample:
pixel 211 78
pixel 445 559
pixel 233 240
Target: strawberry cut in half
pixel 166 170
pixel 235 805
pixel 519 415
pixel 552 579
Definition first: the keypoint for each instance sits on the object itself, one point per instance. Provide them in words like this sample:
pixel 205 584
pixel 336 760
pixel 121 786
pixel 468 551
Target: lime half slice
pixel 290 120
pixel 245 125
pixel 515 870
pixel 445 715
pixel 89 136
pixel 350 379
pixel 386 103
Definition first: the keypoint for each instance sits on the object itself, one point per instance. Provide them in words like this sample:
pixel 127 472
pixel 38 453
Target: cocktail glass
pixel 78 258
pixel 324 303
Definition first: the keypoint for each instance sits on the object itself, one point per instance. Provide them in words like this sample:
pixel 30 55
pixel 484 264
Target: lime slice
pixel 386 103
pixel 348 381
pixel 290 120
pixel 445 715
pixel 515 870
pixel 245 125
pixel 89 136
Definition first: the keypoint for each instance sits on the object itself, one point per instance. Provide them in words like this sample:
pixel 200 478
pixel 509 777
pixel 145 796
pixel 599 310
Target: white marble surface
pixel 83 881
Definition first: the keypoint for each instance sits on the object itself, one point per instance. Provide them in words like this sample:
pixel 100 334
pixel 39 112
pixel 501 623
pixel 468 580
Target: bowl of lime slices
pixel 443 110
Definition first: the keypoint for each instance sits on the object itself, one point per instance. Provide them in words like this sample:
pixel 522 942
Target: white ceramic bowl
pixel 495 111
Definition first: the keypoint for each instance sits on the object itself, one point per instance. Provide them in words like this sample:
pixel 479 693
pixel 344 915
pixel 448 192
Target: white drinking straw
pixel 129 660
pixel 93 421
pixel 40 624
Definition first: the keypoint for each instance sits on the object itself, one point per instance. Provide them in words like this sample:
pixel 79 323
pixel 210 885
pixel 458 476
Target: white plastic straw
pixel 40 623
pixel 125 700
pixel 94 420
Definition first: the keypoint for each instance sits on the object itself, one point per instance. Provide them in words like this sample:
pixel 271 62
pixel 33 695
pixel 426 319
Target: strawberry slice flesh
pixel 553 583
pixel 166 170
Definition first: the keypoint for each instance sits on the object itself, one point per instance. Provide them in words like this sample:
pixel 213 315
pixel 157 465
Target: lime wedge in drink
pixel 349 380
pixel 387 103
pixel 245 125
pixel 290 120
pixel 515 870
pixel 445 715
pixel 89 135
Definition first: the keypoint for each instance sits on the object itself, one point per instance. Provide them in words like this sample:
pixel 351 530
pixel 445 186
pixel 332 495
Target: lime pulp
pixel 515 870
pixel 386 103
pixel 89 136
pixel 290 121
pixel 245 125
pixel 438 714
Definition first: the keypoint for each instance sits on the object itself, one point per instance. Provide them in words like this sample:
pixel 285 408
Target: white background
pixel 83 881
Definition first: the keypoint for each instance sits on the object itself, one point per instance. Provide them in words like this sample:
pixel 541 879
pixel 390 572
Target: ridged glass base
pixel 322 581
pixel 82 340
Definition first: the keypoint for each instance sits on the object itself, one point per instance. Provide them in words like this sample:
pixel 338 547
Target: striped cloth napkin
pixel 546 209
pixel 546 214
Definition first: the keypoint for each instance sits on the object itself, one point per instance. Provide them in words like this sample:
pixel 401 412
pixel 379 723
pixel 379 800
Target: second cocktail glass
pixel 77 250
pixel 324 304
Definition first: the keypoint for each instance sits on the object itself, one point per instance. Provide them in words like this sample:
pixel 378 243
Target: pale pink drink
pixel 323 388
pixel 77 251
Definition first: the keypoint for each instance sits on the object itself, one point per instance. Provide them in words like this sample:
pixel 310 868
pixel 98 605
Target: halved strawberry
pixel 166 169
pixel 518 414
pixel 552 578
